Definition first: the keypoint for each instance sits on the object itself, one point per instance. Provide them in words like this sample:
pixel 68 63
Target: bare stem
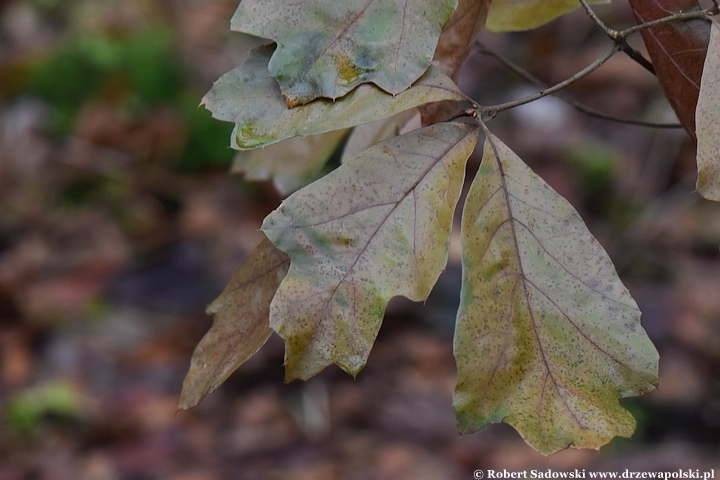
pixel 491 111
pixel 620 44
pixel 621 35
pixel 578 105
pixel 678 17
pixel 637 56
pixel 591 13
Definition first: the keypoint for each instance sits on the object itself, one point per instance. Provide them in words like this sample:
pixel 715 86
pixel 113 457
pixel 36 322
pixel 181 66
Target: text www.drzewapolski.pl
pixel 680 474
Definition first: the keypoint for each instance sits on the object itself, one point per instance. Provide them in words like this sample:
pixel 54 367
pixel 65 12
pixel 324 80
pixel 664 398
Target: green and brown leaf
pixel 547 337
pixel 327 48
pixel 377 227
pixel 241 323
pixel 249 97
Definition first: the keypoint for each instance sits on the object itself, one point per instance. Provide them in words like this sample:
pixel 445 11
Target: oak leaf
pixel 547 337
pixel 250 98
pixel 376 227
pixel 326 48
pixel 240 325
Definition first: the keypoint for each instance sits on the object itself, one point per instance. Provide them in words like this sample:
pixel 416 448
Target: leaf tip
pixel 187 401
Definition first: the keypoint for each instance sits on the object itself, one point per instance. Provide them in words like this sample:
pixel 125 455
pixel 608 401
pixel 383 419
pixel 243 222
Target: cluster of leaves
pixel 547 337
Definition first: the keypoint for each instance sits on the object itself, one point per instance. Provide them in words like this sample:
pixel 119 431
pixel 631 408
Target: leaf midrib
pixel 523 276
pixel 321 318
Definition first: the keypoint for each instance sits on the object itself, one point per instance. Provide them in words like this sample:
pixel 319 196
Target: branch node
pixel 469 112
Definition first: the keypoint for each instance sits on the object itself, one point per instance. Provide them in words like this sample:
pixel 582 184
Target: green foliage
pixel 206 145
pixel 135 72
pixel 142 69
pixel 25 411
pixel 595 165
pixel 548 338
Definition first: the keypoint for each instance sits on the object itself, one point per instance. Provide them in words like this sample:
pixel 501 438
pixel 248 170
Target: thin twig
pixel 618 38
pixel 637 56
pixel 678 17
pixel 491 111
pixel 578 105
pixel 591 13
pixel 620 35
pixel 620 44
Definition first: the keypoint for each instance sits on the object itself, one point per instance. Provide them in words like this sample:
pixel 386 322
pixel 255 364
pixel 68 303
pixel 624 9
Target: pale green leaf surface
pixel 367 135
pixel 290 164
pixel 707 121
pixel 547 336
pixel 376 227
pixel 240 324
pixel 514 15
pixel 329 47
pixel 250 98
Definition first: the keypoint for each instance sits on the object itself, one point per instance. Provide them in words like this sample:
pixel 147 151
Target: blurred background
pixel 119 223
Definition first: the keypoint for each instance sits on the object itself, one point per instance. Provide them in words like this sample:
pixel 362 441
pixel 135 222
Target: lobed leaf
pixel 327 48
pixel 547 336
pixel 514 15
pixel 292 163
pixel 677 51
pixel 707 120
pixel 376 227
pixel 249 97
pixel 240 324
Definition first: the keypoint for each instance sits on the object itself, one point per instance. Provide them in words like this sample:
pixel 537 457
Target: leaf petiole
pixel 491 111
pixel 589 111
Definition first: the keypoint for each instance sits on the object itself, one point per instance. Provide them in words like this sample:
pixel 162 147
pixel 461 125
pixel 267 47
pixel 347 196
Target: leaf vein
pixel 382 222
pixel 579 330
pixel 551 255
pixel 503 179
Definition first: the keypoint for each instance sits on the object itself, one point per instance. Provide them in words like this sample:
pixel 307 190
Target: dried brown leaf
pixel 241 323
pixel 677 51
pixel 452 50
